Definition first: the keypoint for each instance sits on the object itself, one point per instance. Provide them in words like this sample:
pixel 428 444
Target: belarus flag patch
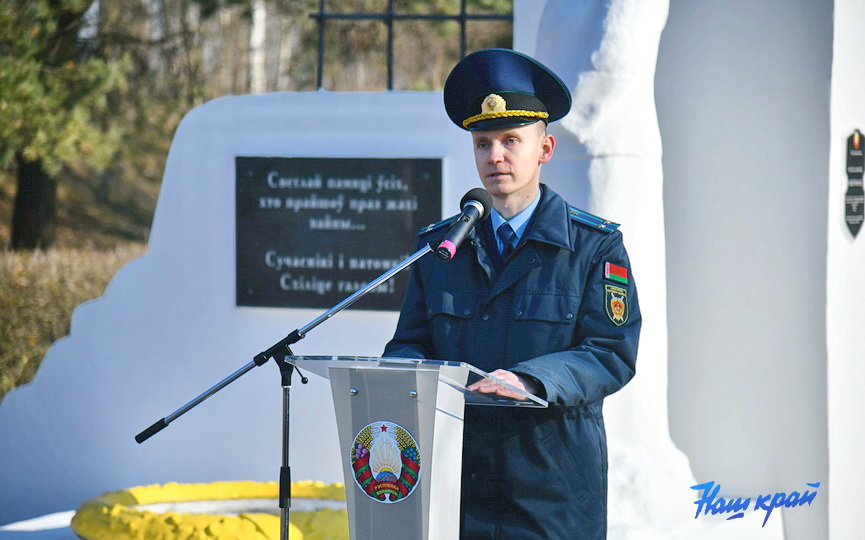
pixel 617 273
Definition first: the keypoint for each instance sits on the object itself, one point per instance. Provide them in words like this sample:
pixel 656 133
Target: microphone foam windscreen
pixel 482 196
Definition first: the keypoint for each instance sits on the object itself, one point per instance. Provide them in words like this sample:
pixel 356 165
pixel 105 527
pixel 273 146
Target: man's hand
pixel 486 386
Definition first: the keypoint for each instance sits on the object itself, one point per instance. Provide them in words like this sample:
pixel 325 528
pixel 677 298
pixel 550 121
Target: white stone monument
pixel 610 156
pixel 845 286
pixel 168 328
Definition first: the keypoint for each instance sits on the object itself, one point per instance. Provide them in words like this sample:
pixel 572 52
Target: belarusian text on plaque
pixel 311 231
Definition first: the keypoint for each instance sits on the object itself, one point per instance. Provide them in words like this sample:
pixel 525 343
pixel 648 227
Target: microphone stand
pixel 278 352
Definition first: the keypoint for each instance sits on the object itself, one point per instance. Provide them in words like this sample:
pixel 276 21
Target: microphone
pixel 476 206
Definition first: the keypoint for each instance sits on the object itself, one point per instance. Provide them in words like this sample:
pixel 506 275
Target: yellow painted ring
pixel 114 516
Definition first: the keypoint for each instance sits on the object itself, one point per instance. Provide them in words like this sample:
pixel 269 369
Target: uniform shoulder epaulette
pixel 438 225
pixel 581 216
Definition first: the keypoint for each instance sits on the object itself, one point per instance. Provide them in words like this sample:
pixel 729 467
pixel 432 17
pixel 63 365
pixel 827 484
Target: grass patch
pixel 38 291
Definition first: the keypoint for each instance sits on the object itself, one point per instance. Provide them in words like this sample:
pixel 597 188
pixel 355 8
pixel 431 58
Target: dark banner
pixel 854 199
pixel 311 231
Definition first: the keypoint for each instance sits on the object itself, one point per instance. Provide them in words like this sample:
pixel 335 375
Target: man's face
pixel 509 160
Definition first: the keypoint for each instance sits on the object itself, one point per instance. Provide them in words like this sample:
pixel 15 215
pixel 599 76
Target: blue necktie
pixel 508 238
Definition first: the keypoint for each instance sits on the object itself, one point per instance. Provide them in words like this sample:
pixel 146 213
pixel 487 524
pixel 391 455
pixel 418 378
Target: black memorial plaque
pixel 854 199
pixel 311 231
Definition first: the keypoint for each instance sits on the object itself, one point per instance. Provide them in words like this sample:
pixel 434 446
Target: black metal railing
pixel 388 18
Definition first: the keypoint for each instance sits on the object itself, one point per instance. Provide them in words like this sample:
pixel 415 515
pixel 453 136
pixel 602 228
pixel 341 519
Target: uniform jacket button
pixel 473 476
pixel 518 313
pixel 486 317
pixel 569 316
pixel 467 312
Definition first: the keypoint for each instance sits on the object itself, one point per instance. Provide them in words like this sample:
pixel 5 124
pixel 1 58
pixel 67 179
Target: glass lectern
pixel 400 424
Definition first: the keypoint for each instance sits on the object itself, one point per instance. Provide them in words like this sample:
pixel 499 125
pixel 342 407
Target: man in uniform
pixel 540 295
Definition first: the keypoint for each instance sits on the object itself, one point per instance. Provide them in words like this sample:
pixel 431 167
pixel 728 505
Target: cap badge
pixel 493 103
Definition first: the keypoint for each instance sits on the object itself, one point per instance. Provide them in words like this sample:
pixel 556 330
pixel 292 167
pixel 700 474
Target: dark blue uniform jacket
pixel 553 314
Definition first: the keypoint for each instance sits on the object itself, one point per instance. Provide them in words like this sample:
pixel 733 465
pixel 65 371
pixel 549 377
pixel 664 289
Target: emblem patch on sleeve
pixel 616 304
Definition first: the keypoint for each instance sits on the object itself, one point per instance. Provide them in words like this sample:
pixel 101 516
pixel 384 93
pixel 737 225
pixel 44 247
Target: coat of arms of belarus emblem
pixel 386 461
